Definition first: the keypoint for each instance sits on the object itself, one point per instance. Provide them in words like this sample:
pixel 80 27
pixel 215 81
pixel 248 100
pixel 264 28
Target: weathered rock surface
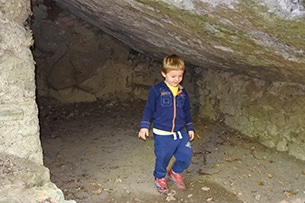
pixel 18 110
pixel 25 181
pixel 259 38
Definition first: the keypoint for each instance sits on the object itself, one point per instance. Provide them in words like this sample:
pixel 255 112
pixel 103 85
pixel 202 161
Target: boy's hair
pixel 172 62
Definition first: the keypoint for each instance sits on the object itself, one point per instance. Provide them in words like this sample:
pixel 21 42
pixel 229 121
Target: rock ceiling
pixel 258 38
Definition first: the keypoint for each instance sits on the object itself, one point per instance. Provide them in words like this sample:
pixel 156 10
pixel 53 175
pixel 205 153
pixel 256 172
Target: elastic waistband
pixel 162 132
pixel 165 133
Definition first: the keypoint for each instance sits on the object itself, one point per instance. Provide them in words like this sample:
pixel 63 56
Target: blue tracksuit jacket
pixel 165 111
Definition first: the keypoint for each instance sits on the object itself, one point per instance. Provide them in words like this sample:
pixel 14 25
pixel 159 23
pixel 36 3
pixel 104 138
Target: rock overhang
pixel 256 38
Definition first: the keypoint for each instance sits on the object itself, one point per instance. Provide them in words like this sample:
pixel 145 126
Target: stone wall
pixel 77 62
pixel 271 112
pixel 18 111
pixel 23 176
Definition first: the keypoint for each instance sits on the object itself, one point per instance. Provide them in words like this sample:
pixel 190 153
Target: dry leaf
pixel 98 191
pixel 170 197
pixel 79 188
pixel 118 180
pixel 260 183
pixel 69 180
pixel 114 167
pixel 209 199
pixel 91 152
pixel 198 136
pixel 137 200
pixel 205 188
pixel 289 193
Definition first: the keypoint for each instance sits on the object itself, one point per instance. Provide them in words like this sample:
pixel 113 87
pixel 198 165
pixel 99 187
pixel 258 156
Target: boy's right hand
pixel 143 133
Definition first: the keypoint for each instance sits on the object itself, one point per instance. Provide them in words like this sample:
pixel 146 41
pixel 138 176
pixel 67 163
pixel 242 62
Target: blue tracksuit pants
pixel 166 146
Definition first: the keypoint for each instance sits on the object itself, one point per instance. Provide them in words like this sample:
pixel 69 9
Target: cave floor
pixel 94 156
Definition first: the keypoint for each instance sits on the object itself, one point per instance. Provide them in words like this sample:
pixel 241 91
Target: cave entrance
pixel 91 90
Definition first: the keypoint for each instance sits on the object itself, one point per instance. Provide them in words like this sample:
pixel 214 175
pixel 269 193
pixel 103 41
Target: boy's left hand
pixel 191 134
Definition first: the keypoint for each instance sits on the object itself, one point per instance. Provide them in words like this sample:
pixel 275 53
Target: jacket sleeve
pixel 149 109
pixel 188 118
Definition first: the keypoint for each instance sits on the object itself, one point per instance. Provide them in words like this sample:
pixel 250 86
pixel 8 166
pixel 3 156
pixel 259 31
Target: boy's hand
pixel 143 133
pixel 191 134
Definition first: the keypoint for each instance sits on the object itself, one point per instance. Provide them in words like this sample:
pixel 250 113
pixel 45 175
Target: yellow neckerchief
pixel 174 90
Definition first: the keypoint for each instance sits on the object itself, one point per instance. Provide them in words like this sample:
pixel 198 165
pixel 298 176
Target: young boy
pixel 167 107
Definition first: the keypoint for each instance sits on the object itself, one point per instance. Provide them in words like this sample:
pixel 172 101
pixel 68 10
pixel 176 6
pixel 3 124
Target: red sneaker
pixel 161 185
pixel 177 178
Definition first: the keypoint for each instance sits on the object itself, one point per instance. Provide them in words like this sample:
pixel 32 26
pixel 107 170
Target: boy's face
pixel 173 77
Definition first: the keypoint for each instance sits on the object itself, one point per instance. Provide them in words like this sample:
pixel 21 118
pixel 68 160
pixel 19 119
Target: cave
pixel 75 78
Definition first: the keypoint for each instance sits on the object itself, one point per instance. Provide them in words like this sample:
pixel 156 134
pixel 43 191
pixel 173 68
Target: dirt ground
pixel 95 156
